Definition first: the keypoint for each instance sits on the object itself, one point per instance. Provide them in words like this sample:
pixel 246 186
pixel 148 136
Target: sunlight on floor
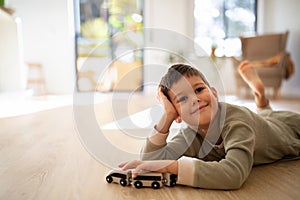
pixel 14 104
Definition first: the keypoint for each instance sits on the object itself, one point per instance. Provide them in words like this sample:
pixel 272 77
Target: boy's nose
pixel 195 100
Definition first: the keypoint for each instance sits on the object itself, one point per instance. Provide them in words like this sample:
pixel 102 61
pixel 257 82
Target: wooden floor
pixel 42 157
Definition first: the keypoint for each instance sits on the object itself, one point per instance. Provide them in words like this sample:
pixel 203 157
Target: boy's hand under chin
pixel 169 109
pixel 163 166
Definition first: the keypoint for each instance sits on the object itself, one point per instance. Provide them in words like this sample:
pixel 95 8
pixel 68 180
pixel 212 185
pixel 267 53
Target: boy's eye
pixel 199 89
pixel 181 99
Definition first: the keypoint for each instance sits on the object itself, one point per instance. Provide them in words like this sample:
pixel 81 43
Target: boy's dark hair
pixel 175 72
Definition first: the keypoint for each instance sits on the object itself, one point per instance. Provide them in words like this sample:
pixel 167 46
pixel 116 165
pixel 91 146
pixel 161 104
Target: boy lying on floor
pixel 222 141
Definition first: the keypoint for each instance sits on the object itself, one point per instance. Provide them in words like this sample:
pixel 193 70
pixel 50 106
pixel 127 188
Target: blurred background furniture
pixel 36 79
pixel 267 53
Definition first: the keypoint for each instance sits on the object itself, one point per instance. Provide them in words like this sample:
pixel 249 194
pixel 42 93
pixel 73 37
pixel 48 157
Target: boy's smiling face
pixel 195 102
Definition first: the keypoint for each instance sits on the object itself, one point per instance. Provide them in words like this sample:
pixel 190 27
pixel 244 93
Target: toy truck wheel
pixel 155 185
pixel 123 182
pixel 138 184
pixel 109 179
pixel 172 183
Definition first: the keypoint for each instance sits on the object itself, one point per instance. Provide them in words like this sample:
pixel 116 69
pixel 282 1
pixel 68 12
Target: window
pixel 219 23
pixel 109 37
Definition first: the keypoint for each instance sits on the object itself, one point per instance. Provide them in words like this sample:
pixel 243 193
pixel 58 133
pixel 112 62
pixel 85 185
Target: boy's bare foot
pixel 249 74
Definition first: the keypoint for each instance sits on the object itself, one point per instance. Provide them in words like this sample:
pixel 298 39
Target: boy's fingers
pixel 160 95
pixel 131 164
pixel 138 169
pixel 246 62
pixel 122 164
pixel 178 119
pixel 157 94
pixel 134 174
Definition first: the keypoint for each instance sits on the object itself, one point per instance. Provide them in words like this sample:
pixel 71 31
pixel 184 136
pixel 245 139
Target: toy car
pixel 149 179
pixel 169 179
pixel 119 176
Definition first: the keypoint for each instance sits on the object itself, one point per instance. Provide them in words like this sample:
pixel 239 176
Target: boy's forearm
pixel 161 131
pixel 164 124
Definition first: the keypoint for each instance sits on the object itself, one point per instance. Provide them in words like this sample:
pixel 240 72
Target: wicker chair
pixel 268 55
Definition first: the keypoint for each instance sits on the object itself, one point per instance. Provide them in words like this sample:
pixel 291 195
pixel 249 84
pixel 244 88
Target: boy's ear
pixel 214 91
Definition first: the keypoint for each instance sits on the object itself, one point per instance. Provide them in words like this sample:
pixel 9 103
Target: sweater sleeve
pixel 163 150
pixel 228 173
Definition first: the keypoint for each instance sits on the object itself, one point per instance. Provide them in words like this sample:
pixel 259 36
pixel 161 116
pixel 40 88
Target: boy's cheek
pixel 181 111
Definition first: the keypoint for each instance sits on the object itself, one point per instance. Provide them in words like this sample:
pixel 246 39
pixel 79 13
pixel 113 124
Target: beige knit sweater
pixel 247 139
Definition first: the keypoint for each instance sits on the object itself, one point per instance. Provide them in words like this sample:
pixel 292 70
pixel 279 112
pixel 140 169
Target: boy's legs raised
pixel 249 74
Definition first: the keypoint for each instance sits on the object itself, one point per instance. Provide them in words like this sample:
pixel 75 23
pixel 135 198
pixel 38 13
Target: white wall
pixel 49 36
pixel 279 16
pixel 173 15
pixel 49 39
pixel 169 28
pixel 12 69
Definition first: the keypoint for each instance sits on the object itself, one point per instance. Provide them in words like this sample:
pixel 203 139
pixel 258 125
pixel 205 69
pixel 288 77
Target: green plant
pixel 2 3
pixel 96 28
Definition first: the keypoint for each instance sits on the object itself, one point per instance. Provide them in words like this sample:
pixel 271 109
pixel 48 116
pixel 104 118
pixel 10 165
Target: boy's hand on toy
pixel 170 110
pixel 162 166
